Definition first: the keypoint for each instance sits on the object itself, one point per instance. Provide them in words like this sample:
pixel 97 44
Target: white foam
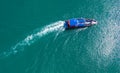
pixel 57 26
pixel 48 29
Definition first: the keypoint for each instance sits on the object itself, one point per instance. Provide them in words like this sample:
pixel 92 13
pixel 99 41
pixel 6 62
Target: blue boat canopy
pixel 77 22
pixel 81 20
pixel 73 22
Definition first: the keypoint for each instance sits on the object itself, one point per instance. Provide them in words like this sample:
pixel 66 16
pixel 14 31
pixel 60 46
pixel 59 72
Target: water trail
pixel 30 39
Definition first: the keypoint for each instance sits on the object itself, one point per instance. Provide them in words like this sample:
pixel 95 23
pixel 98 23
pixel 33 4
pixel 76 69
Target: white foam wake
pixel 57 26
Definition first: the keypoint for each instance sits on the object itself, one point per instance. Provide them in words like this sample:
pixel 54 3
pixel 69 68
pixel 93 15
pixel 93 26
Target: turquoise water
pixel 33 39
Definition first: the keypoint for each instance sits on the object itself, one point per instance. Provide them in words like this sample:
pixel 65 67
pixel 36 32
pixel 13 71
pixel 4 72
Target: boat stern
pixel 66 24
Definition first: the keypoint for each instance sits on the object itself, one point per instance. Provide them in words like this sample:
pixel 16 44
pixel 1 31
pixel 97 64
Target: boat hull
pixel 79 23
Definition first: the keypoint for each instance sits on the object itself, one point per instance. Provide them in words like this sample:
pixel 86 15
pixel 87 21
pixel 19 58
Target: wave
pixel 30 39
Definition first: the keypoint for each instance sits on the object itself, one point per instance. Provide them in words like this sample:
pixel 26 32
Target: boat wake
pixel 30 39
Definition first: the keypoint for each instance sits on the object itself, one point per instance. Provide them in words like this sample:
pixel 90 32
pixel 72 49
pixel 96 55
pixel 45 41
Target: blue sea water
pixel 33 40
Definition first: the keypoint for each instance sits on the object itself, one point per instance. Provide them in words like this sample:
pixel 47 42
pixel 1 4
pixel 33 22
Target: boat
pixel 79 23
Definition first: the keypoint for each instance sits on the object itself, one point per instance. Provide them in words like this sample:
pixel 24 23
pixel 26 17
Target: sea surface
pixel 33 40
